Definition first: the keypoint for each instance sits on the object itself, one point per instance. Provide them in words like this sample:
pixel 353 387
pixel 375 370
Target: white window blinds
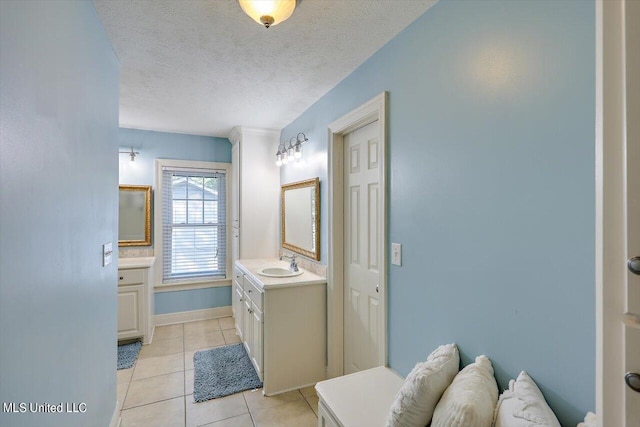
pixel 194 231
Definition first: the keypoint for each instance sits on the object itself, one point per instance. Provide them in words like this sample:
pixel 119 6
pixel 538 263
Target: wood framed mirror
pixel 300 204
pixel 134 225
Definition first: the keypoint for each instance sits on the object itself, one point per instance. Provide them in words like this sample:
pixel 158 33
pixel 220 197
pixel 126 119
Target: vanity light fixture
pixel 290 151
pixel 268 12
pixel 132 155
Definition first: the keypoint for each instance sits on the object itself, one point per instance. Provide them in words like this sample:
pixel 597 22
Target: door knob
pixel 633 264
pixel 633 381
pixel 377 288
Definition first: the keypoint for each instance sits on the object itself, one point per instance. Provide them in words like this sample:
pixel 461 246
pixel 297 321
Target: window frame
pixel 157 219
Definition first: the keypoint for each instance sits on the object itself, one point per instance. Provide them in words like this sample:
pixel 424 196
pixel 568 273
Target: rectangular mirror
pixel 134 226
pixel 300 204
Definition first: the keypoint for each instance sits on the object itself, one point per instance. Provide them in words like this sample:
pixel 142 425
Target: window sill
pixel 186 286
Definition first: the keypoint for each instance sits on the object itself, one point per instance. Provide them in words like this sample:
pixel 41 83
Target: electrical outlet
pixel 396 254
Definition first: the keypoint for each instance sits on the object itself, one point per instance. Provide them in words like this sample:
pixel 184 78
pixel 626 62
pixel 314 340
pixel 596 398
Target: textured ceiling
pixel 203 66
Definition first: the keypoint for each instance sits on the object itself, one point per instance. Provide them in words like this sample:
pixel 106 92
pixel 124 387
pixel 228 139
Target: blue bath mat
pixel 127 354
pixel 223 371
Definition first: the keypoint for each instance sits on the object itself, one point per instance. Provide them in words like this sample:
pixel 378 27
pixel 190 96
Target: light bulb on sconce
pixel 298 147
pixel 297 152
pixel 132 156
pixel 290 150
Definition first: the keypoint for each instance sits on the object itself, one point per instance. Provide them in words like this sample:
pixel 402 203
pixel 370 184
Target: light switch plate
pixel 396 254
pixel 107 253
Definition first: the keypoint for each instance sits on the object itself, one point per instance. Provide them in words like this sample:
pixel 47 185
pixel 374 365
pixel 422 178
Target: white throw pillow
pixel 421 390
pixel 471 398
pixel 523 405
pixel 590 420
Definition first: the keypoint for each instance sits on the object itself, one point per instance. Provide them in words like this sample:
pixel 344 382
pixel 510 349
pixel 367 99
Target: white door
pixel 363 312
pixel 632 323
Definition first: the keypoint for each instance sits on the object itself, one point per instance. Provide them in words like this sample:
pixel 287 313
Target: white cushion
pixel 590 420
pixel 471 398
pixel 421 390
pixel 523 405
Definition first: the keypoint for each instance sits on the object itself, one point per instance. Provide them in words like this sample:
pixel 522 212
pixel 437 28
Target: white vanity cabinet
pixel 283 326
pixel 135 302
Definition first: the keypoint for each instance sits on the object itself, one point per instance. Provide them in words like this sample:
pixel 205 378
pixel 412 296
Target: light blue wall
pixel 197 299
pixel 492 191
pixel 161 145
pixel 59 90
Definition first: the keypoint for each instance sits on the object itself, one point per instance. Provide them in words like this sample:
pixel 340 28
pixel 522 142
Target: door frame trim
pixel 610 227
pixel 370 111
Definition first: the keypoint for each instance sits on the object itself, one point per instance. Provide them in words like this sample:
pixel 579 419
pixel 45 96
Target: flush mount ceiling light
pixel 268 12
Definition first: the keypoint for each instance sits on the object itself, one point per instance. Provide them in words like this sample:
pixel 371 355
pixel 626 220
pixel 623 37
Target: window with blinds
pixel 193 225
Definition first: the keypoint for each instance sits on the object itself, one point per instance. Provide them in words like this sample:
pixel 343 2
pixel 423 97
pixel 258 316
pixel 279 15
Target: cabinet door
pixel 130 308
pixel 239 305
pixel 257 337
pixel 235 301
pixel 247 330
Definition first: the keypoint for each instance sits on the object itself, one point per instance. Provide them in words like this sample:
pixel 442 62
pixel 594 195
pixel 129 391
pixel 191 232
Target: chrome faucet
pixel 294 265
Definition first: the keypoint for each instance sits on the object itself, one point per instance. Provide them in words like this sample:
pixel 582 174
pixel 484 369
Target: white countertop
pixel 251 267
pixel 137 262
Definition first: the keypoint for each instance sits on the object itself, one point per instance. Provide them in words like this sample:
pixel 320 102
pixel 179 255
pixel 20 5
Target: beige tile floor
pixel 158 390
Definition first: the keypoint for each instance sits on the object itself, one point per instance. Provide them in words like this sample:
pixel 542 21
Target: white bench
pixel 357 400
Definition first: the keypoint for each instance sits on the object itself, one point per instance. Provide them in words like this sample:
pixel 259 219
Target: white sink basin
pixel 278 272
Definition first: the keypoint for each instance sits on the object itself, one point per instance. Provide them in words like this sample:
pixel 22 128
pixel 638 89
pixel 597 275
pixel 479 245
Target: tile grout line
pixel 248 409
pixel 308 404
pixel 126 393
pixel 152 403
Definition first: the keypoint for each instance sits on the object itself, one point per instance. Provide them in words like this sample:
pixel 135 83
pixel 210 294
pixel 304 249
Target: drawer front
pixel 134 276
pixel 237 276
pixel 253 291
pixel 239 291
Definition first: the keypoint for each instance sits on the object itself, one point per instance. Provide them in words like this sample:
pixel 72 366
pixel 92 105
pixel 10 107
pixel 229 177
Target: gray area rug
pixel 223 371
pixel 127 354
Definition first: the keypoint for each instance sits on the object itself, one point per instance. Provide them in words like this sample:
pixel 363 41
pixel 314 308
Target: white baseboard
pixel 115 418
pixel 191 316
